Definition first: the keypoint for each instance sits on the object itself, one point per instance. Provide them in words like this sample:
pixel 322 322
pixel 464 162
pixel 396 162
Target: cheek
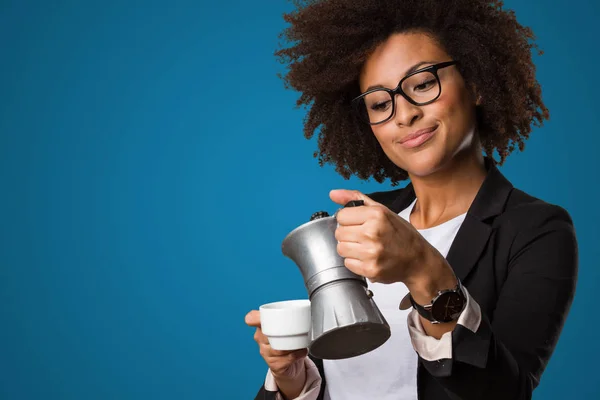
pixel 456 113
pixel 385 134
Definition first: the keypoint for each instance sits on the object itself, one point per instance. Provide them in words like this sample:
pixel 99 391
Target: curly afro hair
pixel 328 42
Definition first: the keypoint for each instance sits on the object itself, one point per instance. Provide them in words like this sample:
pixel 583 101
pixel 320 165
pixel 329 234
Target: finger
pixel 291 354
pixel 361 268
pixel 253 318
pixel 355 265
pixel 360 215
pixel 343 196
pixel 260 337
pixel 282 358
pixel 271 355
pixel 350 233
pixel 353 216
pixel 351 250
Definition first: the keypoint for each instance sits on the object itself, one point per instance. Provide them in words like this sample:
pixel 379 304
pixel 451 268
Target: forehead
pixel 393 58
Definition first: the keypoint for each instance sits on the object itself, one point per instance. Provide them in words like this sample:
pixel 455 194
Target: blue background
pixel 151 162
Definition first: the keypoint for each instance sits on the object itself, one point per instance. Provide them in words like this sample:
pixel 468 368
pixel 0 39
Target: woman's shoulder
pixel 525 211
pixel 528 222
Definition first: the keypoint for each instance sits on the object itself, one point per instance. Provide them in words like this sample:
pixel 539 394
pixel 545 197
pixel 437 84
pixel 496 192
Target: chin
pixel 421 163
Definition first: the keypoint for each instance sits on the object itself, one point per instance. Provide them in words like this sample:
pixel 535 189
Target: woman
pixel 429 91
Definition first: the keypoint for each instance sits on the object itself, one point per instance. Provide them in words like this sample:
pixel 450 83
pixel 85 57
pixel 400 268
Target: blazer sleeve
pixel 505 357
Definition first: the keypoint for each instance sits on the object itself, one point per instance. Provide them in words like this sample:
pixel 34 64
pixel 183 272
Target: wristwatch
pixel 446 306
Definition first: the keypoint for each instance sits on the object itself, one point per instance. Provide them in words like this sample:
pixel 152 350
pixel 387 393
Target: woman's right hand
pixel 287 367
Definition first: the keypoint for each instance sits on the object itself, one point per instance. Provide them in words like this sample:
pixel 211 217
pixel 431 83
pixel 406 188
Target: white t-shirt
pixel 390 371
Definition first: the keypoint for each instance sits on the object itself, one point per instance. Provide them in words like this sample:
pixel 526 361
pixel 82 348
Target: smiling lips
pixel 418 138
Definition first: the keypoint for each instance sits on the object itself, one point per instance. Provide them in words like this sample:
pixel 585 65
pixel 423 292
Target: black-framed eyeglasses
pixel 420 88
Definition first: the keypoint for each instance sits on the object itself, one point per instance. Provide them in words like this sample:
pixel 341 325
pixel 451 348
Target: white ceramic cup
pixel 286 324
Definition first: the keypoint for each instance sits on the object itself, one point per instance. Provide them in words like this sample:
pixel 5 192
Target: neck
pixel 449 191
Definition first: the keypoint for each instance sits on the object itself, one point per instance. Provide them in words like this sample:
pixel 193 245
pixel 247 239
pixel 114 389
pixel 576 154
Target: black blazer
pixel 518 257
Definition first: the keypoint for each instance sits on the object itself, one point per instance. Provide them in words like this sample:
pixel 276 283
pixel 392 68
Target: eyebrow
pixel 408 72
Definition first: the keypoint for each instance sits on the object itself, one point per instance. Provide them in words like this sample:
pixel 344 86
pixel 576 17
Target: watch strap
pixel 426 310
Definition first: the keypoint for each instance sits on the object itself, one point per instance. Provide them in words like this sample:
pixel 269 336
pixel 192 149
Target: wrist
pixel 292 373
pixel 434 275
pixel 290 385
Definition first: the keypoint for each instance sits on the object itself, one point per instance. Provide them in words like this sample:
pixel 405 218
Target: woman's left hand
pixel 379 244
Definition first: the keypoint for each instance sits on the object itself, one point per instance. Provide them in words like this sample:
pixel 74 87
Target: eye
pixel 381 106
pixel 424 86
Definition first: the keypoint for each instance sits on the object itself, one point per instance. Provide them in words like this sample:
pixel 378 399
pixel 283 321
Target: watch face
pixel 447 307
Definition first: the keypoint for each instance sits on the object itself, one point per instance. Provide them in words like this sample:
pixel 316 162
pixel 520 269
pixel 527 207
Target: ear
pixel 476 95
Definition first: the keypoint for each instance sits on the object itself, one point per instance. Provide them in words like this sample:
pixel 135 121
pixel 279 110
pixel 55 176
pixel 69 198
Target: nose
pixel 406 113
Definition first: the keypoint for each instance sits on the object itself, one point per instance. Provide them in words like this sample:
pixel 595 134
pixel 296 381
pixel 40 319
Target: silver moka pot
pixel 345 320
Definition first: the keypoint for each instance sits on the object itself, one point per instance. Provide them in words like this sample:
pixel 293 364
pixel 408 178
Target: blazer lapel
pixel 475 231
pixel 468 245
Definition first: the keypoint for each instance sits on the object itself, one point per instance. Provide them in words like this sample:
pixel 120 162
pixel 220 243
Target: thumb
pixel 343 196
pixel 253 318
